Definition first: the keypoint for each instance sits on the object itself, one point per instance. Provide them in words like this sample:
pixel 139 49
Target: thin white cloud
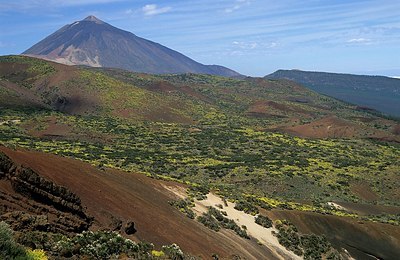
pixel 84 2
pixel 153 9
pixel 254 45
pixel 24 5
pixel 272 45
pixel 237 5
pixel 359 40
pixel 246 45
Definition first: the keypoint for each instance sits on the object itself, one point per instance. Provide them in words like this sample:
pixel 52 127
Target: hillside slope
pixel 108 199
pixel 113 198
pixel 266 145
pixel 187 98
pixel 93 42
pixel 376 92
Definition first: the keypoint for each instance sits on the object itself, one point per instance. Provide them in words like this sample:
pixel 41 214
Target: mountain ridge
pixel 95 43
pixel 377 92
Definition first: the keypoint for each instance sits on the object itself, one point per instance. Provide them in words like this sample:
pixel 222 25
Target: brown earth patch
pixel 49 91
pixel 364 119
pixel 368 209
pixel 162 86
pixel 191 92
pixel 52 129
pixel 363 191
pixel 22 92
pixel 18 96
pixel 63 73
pixel 396 130
pixel 327 127
pixel 274 109
pixel 7 68
pixel 168 113
pixel 113 196
pixel 363 240
pixel 167 87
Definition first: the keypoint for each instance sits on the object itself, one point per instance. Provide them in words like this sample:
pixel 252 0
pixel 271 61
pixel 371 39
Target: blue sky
pixel 254 37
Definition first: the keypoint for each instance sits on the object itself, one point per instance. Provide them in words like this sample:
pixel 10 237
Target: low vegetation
pixel 246 207
pixel 254 168
pixel 184 206
pixel 263 221
pixel 210 133
pixel 87 245
pixel 215 220
pixel 10 249
pixel 101 245
pixel 309 246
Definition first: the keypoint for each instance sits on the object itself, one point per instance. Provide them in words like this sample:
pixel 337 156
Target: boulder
pixel 130 228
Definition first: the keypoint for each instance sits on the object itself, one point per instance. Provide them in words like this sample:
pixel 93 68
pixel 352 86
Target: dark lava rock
pixel 130 228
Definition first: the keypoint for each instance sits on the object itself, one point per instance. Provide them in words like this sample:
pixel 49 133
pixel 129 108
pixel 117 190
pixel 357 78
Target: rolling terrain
pixel 112 198
pixel 94 43
pixel 369 92
pixel 272 146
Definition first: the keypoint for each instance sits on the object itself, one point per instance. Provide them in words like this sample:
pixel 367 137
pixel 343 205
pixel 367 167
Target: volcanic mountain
pixel 95 43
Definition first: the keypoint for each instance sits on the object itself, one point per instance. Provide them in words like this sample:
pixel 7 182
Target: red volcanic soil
pixel 272 108
pixel 334 127
pixel 396 130
pixel 363 191
pixel 162 86
pixel 328 127
pixel 49 90
pixel 363 240
pixel 52 130
pixel 112 195
pixel 191 92
pixel 167 87
pixel 368 209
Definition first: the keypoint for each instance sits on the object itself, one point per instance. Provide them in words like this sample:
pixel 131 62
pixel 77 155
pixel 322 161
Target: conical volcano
pixel 95 43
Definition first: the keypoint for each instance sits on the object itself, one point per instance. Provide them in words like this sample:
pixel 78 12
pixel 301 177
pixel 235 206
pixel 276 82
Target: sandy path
pixel 263 235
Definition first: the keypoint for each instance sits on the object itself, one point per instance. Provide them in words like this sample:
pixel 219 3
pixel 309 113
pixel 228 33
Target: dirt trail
pixel 262 234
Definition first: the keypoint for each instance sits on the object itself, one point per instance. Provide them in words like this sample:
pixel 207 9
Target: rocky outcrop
pixel 28 183
pixel 6 165
pixel 31 202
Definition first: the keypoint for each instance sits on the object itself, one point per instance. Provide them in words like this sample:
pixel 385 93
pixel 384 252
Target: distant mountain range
pixel 376 92
pixel 95 43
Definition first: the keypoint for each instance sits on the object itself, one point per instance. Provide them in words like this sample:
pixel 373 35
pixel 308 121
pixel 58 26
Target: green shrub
pixel 263 221
pixel 215 219
pixel 173 252
pixel 310 246
pixel 9 249
pixel 184 205
pixel 246 206
pixel 208 220
pixel 100 245
pixel 314 246
pixel 38 239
